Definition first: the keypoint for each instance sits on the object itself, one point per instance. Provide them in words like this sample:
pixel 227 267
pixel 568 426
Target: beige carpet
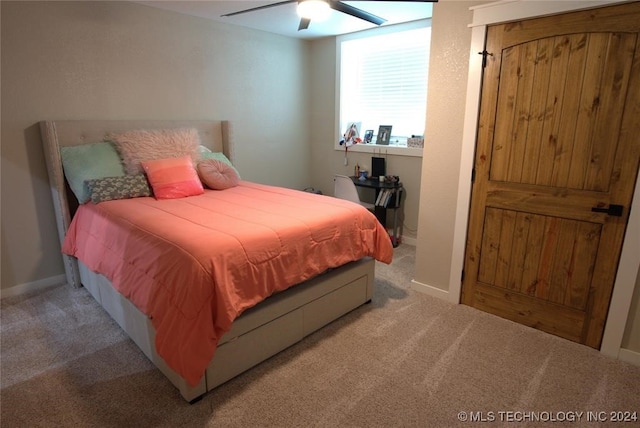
pixel 405 360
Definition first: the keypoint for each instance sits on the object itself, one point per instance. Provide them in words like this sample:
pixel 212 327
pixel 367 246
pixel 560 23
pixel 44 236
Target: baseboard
pixel 629 356
pixel 40 284
pixel 409 240
pixel 433 291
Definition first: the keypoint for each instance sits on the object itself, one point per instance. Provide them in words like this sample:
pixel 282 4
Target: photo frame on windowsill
pixel 368 136
pixel 384 135
pixel 351 135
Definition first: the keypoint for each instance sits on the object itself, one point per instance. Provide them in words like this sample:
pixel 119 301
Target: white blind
pixel 383 81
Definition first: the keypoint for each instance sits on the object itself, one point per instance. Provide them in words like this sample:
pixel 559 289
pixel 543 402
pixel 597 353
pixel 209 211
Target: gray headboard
pixel 214 134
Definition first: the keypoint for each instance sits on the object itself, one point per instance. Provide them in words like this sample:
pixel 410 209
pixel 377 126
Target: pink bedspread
pixel 194 264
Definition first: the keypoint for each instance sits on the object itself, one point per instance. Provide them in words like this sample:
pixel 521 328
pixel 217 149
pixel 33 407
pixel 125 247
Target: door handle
pixel 614 210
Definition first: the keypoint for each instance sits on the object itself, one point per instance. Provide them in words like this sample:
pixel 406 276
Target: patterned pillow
pixel 124 187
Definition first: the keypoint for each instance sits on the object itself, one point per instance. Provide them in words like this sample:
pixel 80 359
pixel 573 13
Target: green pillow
pixel 89 161
pixel 207 154
pixel 122 187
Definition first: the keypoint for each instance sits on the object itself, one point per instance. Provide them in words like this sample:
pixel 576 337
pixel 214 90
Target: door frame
pixel 499 12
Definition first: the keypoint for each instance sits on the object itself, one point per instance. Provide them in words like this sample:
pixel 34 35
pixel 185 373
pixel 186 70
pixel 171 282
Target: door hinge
pixel 462 276
pixel 473 175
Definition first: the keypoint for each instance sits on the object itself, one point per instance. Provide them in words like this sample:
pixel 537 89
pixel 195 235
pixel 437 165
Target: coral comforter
pixel 195 264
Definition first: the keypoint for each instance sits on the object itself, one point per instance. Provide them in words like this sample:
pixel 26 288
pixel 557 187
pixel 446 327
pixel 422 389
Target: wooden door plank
pixel 627 165
pixel 526 310
pixel 602 280
pixel 553 109
pixel 532 256
pixel 588 109
pixel 549 245
pixel 628 155
pixel 522 111
pixel 490 245
pixel 505 114
pixel 542 72
pixel 563 263
pixel 623 17
pixel 519 251
pixel 486 131
pixel 569 110
pixel 546 200
pixel 503 262
pixel 607 128
pixel 585 249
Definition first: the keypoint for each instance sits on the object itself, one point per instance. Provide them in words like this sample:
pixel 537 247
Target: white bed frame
pixel 262 331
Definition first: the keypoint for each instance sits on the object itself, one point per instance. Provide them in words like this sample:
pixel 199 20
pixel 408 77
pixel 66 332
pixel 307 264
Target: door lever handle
pixel 614 210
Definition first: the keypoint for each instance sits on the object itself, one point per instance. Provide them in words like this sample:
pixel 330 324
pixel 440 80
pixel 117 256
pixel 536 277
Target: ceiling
pixel 284 20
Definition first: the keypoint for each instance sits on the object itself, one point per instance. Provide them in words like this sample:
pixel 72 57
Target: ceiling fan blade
pixel 260 7
pixel 354 11
pixel 304 24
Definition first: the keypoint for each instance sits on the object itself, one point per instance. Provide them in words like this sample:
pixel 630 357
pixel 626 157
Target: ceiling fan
pixel 308 9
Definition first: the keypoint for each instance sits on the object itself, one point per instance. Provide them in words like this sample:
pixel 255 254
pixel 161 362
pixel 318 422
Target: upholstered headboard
pixel 216 135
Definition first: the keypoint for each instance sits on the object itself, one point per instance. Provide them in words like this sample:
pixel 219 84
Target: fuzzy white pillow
pixel 141 145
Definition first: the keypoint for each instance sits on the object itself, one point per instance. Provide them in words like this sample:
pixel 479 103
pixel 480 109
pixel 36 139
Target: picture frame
pixel 352 133
pixel 368 136
pixel 384 135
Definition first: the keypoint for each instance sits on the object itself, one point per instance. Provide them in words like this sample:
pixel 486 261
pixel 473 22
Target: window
pixel 383 80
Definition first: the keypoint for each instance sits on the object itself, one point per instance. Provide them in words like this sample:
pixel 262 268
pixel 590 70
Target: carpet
pixel 405 360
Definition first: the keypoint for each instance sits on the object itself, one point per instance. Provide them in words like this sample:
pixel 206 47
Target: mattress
pixel 193 265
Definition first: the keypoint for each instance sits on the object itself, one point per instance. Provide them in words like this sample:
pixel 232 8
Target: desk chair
pixel 345 189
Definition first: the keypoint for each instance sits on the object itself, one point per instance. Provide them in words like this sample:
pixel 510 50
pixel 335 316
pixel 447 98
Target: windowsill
pixel 387 150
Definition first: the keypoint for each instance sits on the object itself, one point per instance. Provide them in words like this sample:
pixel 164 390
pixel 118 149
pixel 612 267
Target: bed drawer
pixel 243 352
pixel 300 295
pixel 249 349
pixel 322 311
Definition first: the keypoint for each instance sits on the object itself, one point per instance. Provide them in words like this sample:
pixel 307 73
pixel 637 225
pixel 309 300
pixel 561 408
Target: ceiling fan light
pixel 316 10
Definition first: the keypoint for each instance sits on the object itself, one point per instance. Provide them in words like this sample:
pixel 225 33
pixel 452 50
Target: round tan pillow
pixel 217 175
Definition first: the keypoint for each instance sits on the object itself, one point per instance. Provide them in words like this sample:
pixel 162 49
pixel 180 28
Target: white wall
pixel 448 70
pixel 631 338
pixel 121 60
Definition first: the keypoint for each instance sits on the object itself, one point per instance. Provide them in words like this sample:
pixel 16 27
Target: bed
pixel 200 335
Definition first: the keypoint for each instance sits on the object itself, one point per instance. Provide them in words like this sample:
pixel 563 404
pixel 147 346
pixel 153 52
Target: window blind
pixel 383 81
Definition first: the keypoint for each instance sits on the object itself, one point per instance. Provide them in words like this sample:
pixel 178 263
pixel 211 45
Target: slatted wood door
pixel 558 135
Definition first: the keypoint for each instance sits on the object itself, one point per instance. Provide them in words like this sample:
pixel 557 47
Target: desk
pixel 394 202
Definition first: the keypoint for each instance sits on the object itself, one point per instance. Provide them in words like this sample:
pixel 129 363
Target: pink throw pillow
pixel 217 175
pixel 173 178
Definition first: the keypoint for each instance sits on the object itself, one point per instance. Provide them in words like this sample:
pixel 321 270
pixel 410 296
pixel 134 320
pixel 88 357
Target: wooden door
pixel 558 136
